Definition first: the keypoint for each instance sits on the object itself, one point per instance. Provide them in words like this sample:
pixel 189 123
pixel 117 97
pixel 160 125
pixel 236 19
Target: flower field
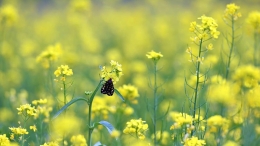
pixel 129 73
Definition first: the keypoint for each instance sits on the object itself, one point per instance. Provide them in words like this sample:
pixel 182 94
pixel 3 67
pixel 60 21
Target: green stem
pixel 64 93
pixel 231 48
pixel 91 128
pixel 196 90
pixel 255 49
pixel 65 102
pixel 51 80
pixel 155 101
pixel 24 125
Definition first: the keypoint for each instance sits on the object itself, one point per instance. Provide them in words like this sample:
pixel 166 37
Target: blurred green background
pixel 87 34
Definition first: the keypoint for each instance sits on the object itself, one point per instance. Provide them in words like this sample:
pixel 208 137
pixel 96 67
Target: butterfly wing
pixel 108 88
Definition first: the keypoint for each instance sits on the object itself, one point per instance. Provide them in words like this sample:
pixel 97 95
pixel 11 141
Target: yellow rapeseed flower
pixel 52 143
pixel 8 15
pixel 253 97
pixel 232 11
pixel 18 131
pixel 154 55
pixel 193 26
pixel 50 54
pixel 180 119
pixel 231 143
pixel 71 120
pixel 128 110
pixel 33 128
pixel 129 92
pixel 45 111
pixel 80 5
pixel 40 101
pixel 217 121
pixel 247 76
pixel 4 141
pixel 200 59
pixel 115 133
pixel 27 110
pixel 194 141
pixel 114 73
pixel 78 140
pixel 254 20
pixel 136 127
pixel 207 29
pixel 101 108
pixel 210 46
pixel 63 71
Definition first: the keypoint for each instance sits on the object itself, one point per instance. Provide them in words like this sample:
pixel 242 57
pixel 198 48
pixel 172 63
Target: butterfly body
pixel 108 88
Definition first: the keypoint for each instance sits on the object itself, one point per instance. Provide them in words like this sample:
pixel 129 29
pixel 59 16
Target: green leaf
pixel 118 94
pixel 98 144
pixel 67 105
pixel 109 126
pixel 94 93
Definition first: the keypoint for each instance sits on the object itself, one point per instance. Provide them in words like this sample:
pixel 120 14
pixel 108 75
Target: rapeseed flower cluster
pixel 80 5
pixel 42 109
pixel 247 76
pixel 231 143
pixel 180 119
pixel 78 140
pixel 130 93
pixel 136 127
pixel 206 30
pixel 40 101
pixel 49 55
pixel 114 73
pixel 63 71
pixel 182 123
pixel 8 15
pixel 100 111
pixel 232 11
pixel 18 130
pixel 154 55
pixel 51 143
pixel 115 133
pixel 221 91
pixel 4 141
pixel 63 130
pixel 194 141
pixel 254 20
pixel 252 97
pixel 216 122
pixel 27 110
pixel 33 128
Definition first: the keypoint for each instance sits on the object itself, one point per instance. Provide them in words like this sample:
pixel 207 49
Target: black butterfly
pixel 108 88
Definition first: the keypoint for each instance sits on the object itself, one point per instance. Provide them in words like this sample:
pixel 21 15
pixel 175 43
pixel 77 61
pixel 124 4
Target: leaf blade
pixel 67 105
pixel 119 94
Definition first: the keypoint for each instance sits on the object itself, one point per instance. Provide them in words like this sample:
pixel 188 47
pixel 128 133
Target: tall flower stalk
pixel 63 71
pixel 230 16
pixel 47 58
pixel 202 33
pixel 107 76
pixel 26 111
pixel 254 20
pixel 155 57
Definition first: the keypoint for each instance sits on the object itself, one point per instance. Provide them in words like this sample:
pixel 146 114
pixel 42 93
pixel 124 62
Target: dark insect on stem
pixel 108 88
